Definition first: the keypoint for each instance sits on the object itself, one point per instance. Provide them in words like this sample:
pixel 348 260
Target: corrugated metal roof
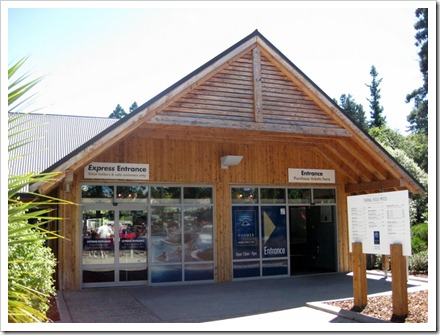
pixel 55 136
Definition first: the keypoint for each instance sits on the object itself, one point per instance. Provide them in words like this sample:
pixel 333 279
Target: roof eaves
pixel 335 105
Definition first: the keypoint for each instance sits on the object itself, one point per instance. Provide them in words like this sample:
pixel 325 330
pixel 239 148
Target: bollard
pixel 359 277
pixel 399 282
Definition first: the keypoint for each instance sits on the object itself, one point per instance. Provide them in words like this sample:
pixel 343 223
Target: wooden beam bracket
pixel 374 185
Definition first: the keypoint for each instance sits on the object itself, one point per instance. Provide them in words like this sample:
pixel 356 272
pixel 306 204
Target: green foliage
pixel 376 110
pixel 417 148
pixel 419 202
pixel 31 266
pixel 354 110
pixel 419 262
pixel 118 113
pixel 419 237
pixel 133 107
pixel 30 263
pixel 418 117
pixel 388 137
pixel 403 150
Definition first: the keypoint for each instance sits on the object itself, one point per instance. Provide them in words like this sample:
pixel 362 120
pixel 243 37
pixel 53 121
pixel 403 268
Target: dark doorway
pixel 312 239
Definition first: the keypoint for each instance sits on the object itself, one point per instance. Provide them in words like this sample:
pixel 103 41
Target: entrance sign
pixel 311 176
pixel 378 220
pixel 124 171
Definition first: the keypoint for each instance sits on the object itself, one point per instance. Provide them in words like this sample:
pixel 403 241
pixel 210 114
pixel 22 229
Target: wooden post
pixel 385 264
pixel 359 276
pixel 399 282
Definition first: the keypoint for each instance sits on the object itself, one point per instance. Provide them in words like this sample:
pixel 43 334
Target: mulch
pixel 53 313
pixel 381 307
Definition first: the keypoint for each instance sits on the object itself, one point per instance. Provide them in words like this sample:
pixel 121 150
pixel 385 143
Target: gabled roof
pixel 252 86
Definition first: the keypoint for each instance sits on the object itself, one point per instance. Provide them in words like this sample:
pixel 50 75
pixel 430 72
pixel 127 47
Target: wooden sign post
pixel 399 281
pixel 359 276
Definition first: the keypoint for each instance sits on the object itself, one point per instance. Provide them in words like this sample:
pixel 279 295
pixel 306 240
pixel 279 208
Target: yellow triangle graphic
pixel 269 227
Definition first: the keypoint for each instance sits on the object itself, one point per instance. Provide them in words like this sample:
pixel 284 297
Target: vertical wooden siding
pixel 70 228
pixel 192 162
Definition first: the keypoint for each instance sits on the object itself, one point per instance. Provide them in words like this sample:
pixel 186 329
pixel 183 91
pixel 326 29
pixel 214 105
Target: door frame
pixel 116 266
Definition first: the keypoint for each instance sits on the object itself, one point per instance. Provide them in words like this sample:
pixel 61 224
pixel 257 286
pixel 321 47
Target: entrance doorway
pixel 114 248
pixel 312 239
pixel 139 234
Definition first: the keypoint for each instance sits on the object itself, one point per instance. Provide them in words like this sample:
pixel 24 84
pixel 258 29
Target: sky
pixel 96 55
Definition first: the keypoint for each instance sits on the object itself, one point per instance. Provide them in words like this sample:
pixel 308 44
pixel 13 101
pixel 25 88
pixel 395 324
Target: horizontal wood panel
pixel 226 96
pixel 293 128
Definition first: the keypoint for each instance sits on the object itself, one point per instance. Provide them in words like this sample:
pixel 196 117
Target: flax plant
pixel 31 264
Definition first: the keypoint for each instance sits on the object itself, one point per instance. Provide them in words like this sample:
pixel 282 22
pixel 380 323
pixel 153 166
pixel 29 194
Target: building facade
pixel 240 170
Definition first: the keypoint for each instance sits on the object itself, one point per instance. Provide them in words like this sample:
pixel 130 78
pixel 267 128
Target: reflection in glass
pixel 133 237
pixel 324 196
pixel 198 271
pixel 166 273
pixel 197 195
pixel 166 234
pixel 131 194
pixel 133 274
pixel 246 269
pixel 165 195
pixel 275 267
pixel 273 195
pixel 97 235
pixel 242 195
pixel 98 276
pixel 199 228
pixel 300 196
pixel 97 193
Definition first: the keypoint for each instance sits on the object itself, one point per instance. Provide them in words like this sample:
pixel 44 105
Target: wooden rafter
pixel 257 85
pixel 374 186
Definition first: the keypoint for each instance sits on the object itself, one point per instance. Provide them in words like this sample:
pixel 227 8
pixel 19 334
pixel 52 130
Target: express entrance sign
pixel 124 171
pixel 379 220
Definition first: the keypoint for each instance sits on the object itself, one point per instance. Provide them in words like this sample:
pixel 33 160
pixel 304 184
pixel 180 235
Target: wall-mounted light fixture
pixel 227 161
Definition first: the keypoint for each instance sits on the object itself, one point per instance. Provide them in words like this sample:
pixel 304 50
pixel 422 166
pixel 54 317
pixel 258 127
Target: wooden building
pixel 240 170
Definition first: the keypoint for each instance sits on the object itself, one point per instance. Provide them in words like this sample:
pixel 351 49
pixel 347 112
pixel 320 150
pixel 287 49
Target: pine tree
pixel 353 110
pixel 118 113
pixel 376 113
pixel 418 117
pixel 133 107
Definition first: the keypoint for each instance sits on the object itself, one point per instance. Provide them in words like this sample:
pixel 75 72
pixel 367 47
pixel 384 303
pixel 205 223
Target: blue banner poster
pixel 274 231
pixel 245 231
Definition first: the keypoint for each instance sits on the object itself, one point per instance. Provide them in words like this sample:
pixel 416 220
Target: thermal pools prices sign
pixel 378 220
pixel 311 176
pixel 122 171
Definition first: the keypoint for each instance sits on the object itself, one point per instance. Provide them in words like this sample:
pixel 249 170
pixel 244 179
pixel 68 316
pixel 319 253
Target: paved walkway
pixel 259 304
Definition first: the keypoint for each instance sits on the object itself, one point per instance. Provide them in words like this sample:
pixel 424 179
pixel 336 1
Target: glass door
pixel 114 246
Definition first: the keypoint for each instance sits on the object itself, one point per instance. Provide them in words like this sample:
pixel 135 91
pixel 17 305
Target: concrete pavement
pixel 270 303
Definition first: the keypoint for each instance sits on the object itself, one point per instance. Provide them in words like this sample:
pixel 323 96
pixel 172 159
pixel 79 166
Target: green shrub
pixel 31 266
pixel 419 262
pixel 30 263
pixel 419 237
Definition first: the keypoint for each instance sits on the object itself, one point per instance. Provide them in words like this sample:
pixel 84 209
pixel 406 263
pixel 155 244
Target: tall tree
pixel 354 110
pixel 133 107
pixel 377 119
pixel 418 117
pixel 118 113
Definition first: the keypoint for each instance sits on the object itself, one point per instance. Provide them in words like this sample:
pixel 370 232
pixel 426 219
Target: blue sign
pixel 274 231
pixel 245 232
